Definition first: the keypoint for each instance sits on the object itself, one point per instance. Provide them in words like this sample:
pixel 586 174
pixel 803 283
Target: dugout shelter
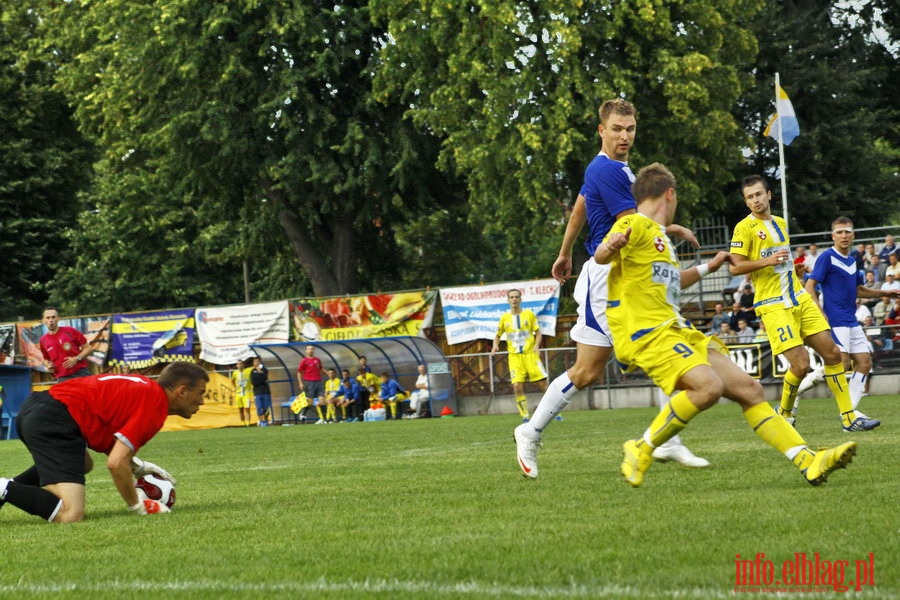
pixel 400 356
pixel 16 382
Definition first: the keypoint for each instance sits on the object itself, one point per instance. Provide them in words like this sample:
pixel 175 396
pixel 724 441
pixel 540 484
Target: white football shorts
pixel 591 294
pixel 851 340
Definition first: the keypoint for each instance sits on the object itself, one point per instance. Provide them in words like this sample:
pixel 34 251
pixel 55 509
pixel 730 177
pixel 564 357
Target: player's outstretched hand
pixel 685 234
pixel 146 506
pixel 562 268
pixel 139 468
pixel 720 259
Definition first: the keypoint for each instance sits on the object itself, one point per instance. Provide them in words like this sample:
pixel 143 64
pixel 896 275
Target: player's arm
pixel 608 250
pixel 119 464
pixel 562 267
pixel 810 287
pixel 684 233
pixel 741 265
pixel 864 292
pixel 496 345
pixel 691 276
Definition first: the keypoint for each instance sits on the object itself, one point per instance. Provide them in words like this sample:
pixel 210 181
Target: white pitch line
pixel 468 588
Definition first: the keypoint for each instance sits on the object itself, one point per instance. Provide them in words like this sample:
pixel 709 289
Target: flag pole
pixel 782 169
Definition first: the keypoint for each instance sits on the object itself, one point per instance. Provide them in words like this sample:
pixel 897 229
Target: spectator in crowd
pixel 65 349
pixel 881 310
pixel 867 257
pixel 871 284
pixel 862 311
pixel 719 317
pixel 878 268
pixel 112 415
pixel 332 390
pixel 348 400
pixel 880 341
pixel 369 388
pixel 893 318
pixel 391 393
pixel 738 312
pixel 418 399
pixel 745 333
pixel 309 376
pixel 746 298
pixel 761 335
pixel 812 255
pixel 888 248
pixel 745 282
pixel 262 395
pixel 890 283
pixel 523 340
pixel 893 266
pixel 859 255
pixel 243 390
pixel 800 259
pixel 726 334
pixel 364 363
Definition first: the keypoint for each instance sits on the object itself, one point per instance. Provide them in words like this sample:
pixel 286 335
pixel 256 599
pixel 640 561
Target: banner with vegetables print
pixel 363 316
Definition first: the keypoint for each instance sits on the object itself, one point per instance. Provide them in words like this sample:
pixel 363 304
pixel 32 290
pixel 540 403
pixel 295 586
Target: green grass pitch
pixel 437 508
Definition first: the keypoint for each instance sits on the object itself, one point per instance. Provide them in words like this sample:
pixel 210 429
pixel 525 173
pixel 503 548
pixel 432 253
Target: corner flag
pixel 784 119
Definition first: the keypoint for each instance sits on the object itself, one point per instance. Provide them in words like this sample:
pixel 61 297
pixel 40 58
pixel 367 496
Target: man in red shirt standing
pixel 112 414
pixel 309 376
pixel 65 349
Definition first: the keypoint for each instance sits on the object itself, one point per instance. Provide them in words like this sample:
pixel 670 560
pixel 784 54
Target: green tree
pixel 249 114
pixel 512 89
pixel 843 85
pixel 43 163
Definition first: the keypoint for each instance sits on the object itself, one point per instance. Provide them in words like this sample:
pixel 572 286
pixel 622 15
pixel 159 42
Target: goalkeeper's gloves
pixel 139 468
pixel 146 506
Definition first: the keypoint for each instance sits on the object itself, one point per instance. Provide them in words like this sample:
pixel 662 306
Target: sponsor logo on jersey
pixel 659 244
pixel 761 234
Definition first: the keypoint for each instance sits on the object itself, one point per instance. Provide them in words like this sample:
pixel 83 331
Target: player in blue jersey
pixel 841 281
pixel 605 196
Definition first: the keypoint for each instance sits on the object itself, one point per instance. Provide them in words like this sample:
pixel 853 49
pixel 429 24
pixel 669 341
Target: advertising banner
pixel 360 317
pixel 226 332
pixel 95 330
pixel 473 312
pixel 144 339
pixel 218 409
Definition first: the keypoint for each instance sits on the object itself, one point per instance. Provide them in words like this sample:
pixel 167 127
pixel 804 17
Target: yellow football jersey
pixel 776 286
pixel 519 330
pixel 332 386
pixel 644 281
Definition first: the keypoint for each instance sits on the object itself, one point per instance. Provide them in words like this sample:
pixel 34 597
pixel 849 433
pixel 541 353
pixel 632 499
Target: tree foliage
pixel 842 85
pixel 43 163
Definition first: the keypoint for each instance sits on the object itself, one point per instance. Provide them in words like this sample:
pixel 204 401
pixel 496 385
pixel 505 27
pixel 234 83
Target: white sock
pixel 3 483
pixel 857 387
pixel 811 379
pixel 558 395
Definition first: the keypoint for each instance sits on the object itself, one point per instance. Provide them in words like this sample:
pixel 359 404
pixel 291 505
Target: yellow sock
pixel 773 429
pixel 522 405
pixel 837 383
pixel 393 406
pixel 789 392
pixel 672 419
pixel 344 413
pixel 331 412
pixel 319 411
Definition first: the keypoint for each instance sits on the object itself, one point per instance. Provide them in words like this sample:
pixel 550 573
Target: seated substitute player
pixel 842 283
pixel 649 332
pixel 348 397
pixel 523 338
pixel 391 393
pixel 112 414
pixel 761 246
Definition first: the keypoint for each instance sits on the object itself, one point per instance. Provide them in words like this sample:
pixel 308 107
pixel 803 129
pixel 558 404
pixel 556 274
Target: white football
pixel 157 488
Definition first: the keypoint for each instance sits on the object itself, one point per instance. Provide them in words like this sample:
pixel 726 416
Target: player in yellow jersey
pixel 243 390
pixel 649 332
pixel 523 338
pixel 332 389
pixel 761 246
